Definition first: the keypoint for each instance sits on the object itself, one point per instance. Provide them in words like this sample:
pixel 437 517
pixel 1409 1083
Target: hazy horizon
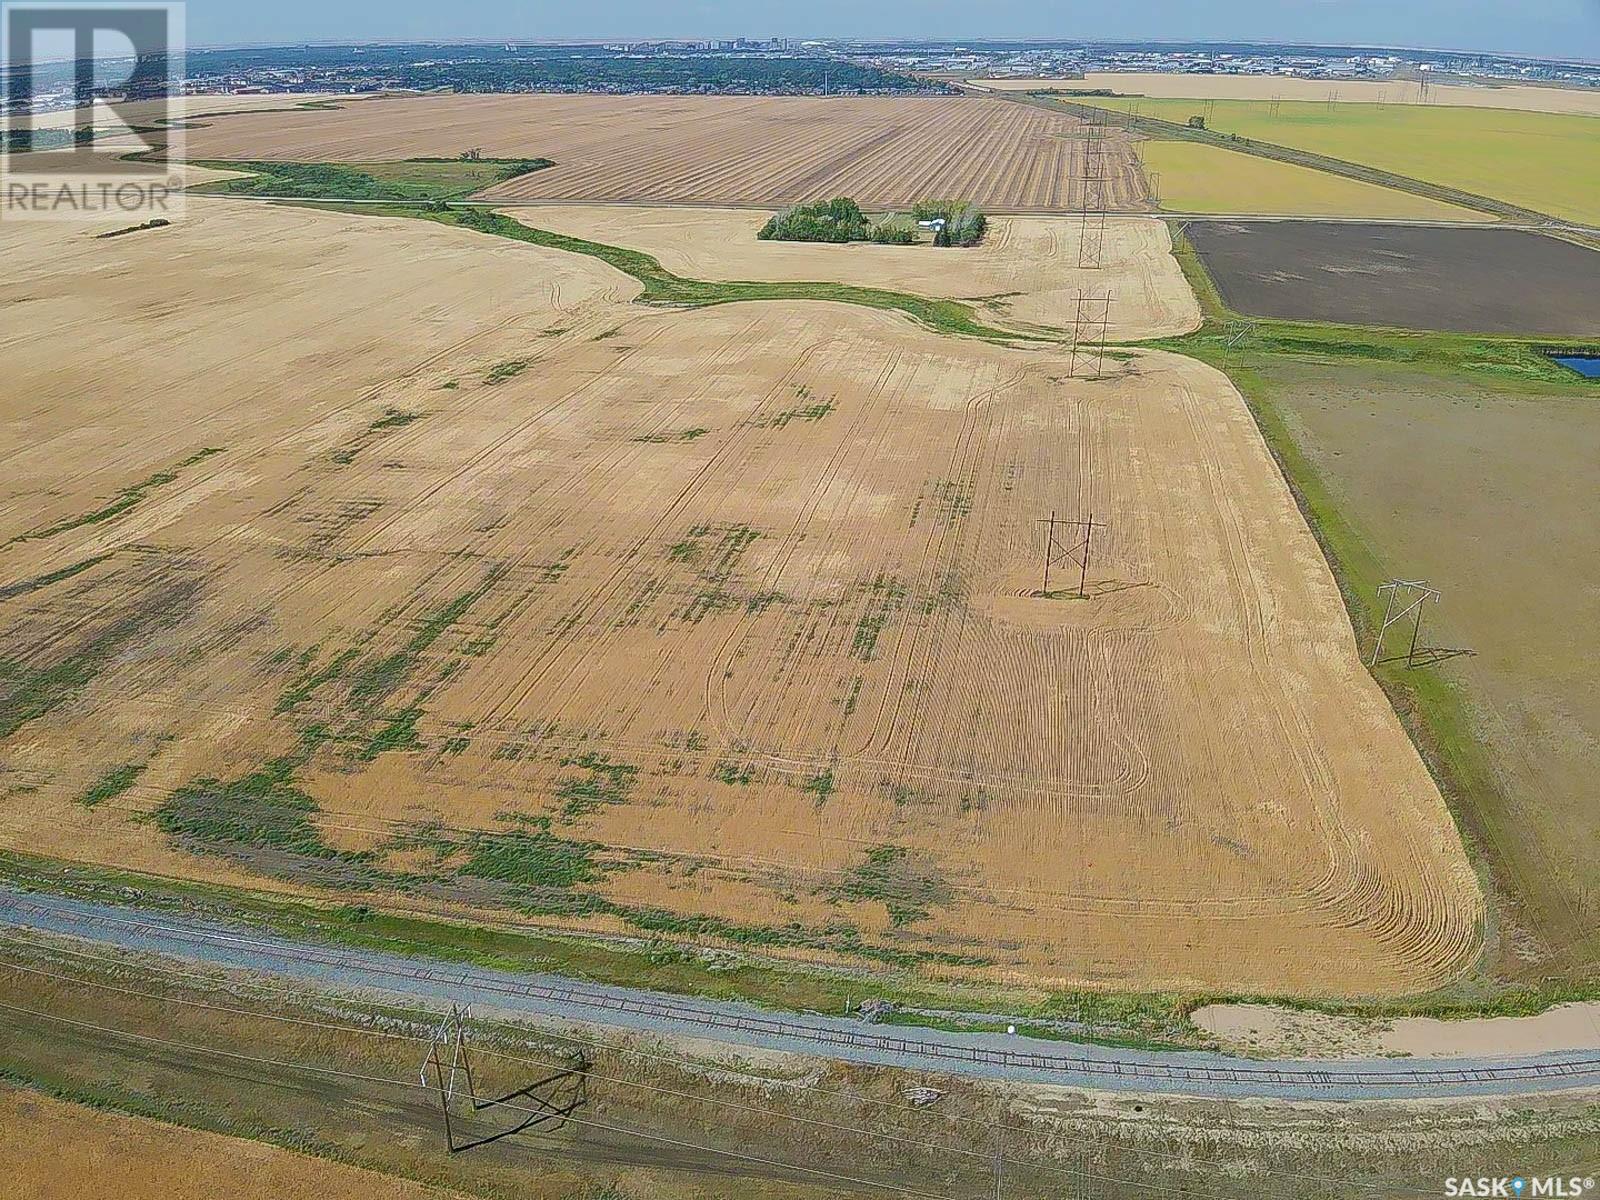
pixel 1562 29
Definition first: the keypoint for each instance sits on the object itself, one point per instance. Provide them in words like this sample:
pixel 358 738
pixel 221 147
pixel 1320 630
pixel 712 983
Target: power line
pixel 336 1072
pixel 526 1060
pixel 186 977
pixel 580 1043
pixel 611 1127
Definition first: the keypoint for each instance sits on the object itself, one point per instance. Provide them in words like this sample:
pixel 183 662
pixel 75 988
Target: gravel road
pixel 432 983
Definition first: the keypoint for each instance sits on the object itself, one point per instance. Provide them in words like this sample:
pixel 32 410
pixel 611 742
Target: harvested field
pixel 1025 268
pixel 1277 87
pixel 105 118
pixel 713 149
pixel 1192 177
pixel 1457 280
pixel 54 1150
pixel 719 624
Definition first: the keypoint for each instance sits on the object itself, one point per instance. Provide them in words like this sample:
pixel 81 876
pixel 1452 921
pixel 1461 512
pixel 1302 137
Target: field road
pixel 431 983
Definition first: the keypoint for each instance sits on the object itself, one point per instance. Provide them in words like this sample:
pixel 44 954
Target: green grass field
pixel 1543 161
pixel 420 179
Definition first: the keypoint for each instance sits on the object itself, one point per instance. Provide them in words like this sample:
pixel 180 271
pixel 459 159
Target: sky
pixel 1560 28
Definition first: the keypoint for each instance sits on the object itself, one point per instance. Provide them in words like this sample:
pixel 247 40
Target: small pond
pixel 1587 365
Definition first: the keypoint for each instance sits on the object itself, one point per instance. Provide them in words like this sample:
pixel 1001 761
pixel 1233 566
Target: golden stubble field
pixel 386 555
pixel 1025 271
pixel 760 151
pixel 54 1150
pixel 106 119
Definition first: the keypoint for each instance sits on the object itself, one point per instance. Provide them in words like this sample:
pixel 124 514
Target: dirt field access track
pixel 770 150
pixel 718 622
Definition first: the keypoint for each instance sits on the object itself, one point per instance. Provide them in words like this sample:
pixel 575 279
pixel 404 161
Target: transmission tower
pixel 1089 323
pixel 1074 544
pixel 549 1100
pixel 450 1033
pixel 1092 237
pixel 1406 598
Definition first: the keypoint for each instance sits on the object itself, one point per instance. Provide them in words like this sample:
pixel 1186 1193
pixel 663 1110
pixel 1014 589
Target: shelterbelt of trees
pixel 841 220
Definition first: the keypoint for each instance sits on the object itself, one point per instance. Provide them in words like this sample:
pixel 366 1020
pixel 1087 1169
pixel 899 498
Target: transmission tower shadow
pixel 1427 656
pixel 553 1099
pixel 545 1104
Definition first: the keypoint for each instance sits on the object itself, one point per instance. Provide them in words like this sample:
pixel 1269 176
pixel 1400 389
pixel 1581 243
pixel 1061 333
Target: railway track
pixel 1187 1073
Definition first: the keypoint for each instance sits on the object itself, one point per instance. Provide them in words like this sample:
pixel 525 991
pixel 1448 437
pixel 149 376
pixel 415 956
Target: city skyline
pixel 1563 29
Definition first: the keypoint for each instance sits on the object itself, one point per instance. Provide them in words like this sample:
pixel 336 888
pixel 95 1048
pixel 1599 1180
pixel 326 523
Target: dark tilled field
pixel 1413 277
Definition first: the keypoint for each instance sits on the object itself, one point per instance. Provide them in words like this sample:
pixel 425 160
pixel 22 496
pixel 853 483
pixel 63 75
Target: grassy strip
pixel 112 784
pixel 408 179
pixel 1143 1019
pixel 31 692
pixel 38 582
pixel 125 499
pixel 626 964
pixel 663 287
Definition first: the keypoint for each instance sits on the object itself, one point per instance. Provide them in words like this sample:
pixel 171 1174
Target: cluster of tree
pixel 841 220
pixel 836 220
pixel 23 138
pixel 964 223
pixel 505 168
